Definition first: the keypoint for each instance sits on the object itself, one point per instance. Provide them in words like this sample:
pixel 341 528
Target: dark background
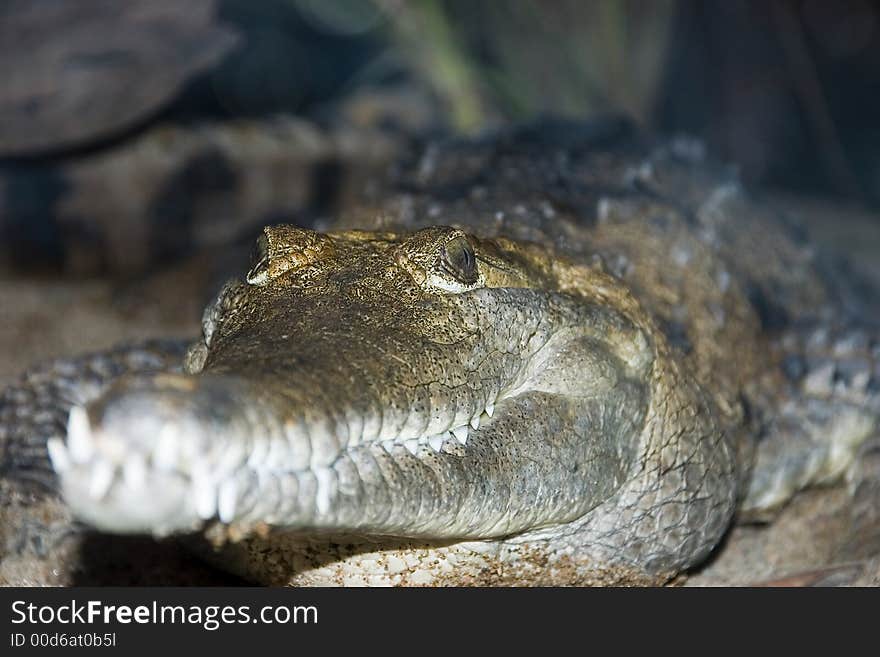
pixel 787 90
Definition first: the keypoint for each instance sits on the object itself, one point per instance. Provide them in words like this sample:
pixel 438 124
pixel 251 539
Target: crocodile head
pixel 428 386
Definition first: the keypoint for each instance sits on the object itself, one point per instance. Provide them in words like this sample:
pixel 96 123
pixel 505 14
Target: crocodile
pixel 563 353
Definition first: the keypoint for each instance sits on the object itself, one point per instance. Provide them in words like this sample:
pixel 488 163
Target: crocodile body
pixel 563 354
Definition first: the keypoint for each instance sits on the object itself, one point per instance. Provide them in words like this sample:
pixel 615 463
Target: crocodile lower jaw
pixel 106 485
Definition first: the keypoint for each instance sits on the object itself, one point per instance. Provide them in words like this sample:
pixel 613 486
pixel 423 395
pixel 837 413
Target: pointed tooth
pixel 490 409
pixel 165 451
pixel 475 422
pixel 279 455
pixel 436 442
pixel 205 496
pixel 134 471
pixel 231 459
pixel 412 446
pixel 227 500
pixel 101 479
pixel 58 455
pixel 79 435
pixel 355 429
pixel 461 434
pixel 259 451
pixel 325 478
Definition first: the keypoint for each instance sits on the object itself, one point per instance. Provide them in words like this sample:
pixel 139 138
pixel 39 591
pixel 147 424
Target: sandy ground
pixel 45 318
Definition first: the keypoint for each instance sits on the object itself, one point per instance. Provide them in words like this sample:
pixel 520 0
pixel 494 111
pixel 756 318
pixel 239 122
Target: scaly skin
pixel 430 404
pixel 417 386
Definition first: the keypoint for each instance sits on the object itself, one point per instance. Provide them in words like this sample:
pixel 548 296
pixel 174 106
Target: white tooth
pixel 475 422
pixel 101 479
pixel 226 500
pixel 436 442
pixel 300 449
pixel 278 456
pixel 355 429
pixel 205 498
pixel 325 477
pixel 412 446
pixel 461 434
pixel 490 409
pixel 58 455
pixel 134 471
pixel 231 459
pixel 79 435
pixel 165 451
pixel 258 452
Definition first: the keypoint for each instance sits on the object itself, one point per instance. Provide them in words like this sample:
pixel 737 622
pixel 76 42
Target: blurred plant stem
pixel 424 30
pixel 511 60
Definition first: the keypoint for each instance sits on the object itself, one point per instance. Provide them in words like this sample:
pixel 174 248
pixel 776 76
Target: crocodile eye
pixel 459 260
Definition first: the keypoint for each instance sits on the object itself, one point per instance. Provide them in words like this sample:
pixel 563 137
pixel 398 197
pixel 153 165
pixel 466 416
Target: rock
pixel 77 72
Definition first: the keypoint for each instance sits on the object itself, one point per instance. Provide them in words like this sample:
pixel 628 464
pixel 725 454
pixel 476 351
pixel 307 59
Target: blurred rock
pixel 77 72
pixel 174 190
